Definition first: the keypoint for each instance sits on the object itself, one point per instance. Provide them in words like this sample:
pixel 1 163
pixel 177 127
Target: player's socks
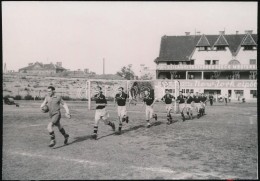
pixel 66 136
pixel 119 129
pixel 52 143
pixel 94 136
pixel 155 117
pixel 112 125
pixel 148 124
pixel 95 129
pixel 183 117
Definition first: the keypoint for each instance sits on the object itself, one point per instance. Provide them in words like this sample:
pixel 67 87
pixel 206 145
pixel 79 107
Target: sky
pixel 80 34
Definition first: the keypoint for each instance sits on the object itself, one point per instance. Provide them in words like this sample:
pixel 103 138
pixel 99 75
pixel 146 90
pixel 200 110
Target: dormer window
pixel 248 47
pixel 221 48
pixel 203 48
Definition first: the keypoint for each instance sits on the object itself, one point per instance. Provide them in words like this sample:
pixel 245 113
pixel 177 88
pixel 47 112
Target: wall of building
pixel 224 56
pixel 244 56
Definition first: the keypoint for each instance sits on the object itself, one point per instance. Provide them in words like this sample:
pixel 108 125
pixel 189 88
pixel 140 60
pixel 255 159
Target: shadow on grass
pixel 76 139
pixel 133 128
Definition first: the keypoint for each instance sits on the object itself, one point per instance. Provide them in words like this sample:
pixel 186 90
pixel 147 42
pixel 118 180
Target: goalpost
pixel 132 87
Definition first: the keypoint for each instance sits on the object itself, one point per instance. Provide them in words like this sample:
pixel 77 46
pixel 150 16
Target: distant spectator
pixel 226 99
pixel 229 97
pixel 211 99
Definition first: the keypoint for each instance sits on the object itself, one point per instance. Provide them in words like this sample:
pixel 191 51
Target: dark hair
pixel 99 87
pixel 166 89
pixel 51 87
pixel 121 88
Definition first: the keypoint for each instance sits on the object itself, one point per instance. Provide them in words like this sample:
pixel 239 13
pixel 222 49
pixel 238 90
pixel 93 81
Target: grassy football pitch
pixel 220 145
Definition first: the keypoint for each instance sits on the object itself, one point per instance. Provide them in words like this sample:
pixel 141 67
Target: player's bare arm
pixel 64 104
pixel 44 103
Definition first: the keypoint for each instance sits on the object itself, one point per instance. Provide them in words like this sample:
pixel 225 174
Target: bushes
pixel 28 97
pixel 7 96
pixel 66 98
pixel 18 97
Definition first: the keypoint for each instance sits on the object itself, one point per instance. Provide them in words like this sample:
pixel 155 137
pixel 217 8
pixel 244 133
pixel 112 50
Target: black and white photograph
pixel 128 90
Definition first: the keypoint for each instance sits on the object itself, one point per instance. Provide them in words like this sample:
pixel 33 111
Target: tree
pixel 127 72
pixel 146 76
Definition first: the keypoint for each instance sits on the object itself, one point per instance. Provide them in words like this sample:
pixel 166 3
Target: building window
pixel 207 62
pixel 252 61
pixel 221 48
pixel 215 62
pixel 253 93
pixel 203 48
pixel 192 62
pixel 183 90
pixel 239 94
pixel 248 47
pixel 190 91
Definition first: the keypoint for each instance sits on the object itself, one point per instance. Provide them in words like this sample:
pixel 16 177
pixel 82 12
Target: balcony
pixel 207 67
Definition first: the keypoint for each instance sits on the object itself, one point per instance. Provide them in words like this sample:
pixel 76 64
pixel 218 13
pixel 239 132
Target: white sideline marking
pixel 153 169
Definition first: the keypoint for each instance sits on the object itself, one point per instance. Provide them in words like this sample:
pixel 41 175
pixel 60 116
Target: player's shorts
pixel 182 107
pixel 198 105
pixel 101 114
pixel 148 112
pixel 168 107
pixel 189 107
pixel 55 118
pixel 121 111
pixel 203 105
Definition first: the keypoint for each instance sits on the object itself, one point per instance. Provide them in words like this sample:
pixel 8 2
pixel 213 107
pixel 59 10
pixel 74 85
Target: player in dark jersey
pixel 189 101
pixel 120 99
pixel 149 101
pixel 198 104
pixel 133 94
pixel 101 113
pixel 203 100
pixel 54 101
pixel 167 98
pixel 211 98
pixel 182 106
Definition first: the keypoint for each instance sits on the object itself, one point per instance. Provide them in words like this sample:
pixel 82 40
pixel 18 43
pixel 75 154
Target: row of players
pixel 186 106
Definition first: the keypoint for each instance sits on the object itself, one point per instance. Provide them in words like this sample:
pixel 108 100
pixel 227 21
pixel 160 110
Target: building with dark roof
pixel 38 68
pixel 204 58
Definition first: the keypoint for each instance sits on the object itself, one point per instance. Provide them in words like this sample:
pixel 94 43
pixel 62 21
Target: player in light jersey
pixel 54 101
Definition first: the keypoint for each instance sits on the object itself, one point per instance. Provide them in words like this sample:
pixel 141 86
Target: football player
pixel 167 98
pixel 182 106
pixel 189 102
pixel 203 100
pixel 198 104
pixel 53 102
pixel 101 113
pixel 120 99
pixel 149 101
